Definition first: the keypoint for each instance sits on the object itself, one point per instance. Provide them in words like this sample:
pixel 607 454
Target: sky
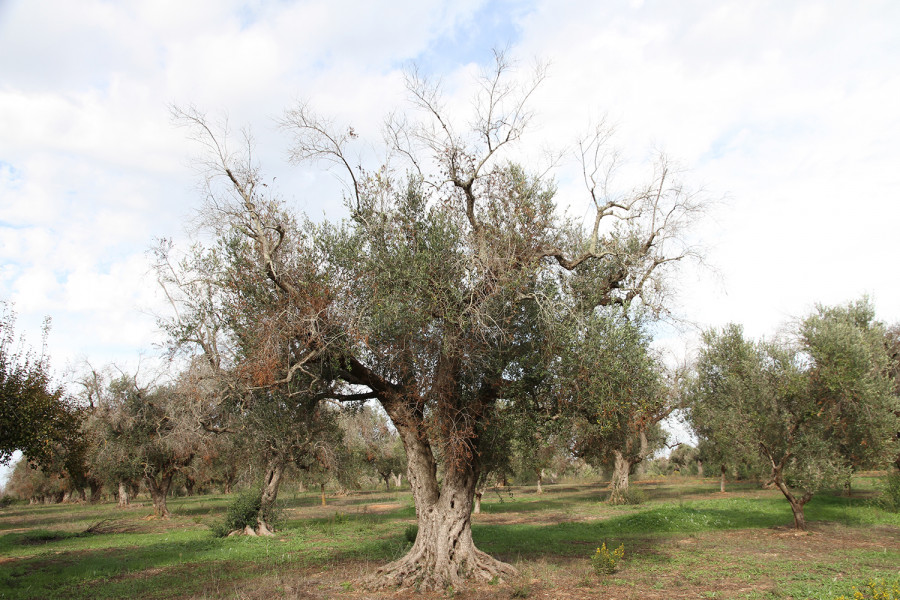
pixel 783 112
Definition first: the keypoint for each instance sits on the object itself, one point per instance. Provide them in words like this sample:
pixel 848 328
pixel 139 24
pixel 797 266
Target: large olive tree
pixel 429 297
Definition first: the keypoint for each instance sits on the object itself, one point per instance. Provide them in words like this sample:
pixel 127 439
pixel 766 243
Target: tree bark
pixel 443 553
pixel 477 508
pixel 189 485
pixel 122 501
pixel 96 490
pixel 398 479
pixel 796 503
pixel 540 477
pixel 322 490
pixel 159 490
pixel 722 480
pixel 269 494
pixel 619 482
pixel 700 468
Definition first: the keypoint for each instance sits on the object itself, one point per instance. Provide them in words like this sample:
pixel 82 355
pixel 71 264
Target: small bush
pixel 243 511
pixel 410 533
pixel 632 496
pixel 875 590
pixel 6 501
pixel 605 562
pixel 890 492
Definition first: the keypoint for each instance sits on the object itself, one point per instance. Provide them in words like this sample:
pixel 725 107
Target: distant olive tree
pixel 813 407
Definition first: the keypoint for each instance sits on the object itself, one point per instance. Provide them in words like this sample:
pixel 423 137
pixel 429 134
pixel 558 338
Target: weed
pixel 520 590
pixel 347 585
pixel 605 562
pixel 875 590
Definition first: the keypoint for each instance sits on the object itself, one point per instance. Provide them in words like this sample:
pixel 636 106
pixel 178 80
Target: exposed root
pixel 419 570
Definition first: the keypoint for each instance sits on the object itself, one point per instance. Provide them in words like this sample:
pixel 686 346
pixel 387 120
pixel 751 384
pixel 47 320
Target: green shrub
pixel 605 562
pixel 631 496
pixel 243 511
pixel 890 492
pixel 875 590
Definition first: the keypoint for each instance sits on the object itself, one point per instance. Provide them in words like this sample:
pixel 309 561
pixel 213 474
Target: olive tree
pixel 424 298
pixel 813 407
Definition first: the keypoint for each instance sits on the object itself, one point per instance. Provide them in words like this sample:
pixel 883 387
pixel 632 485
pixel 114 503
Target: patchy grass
pixel 686 541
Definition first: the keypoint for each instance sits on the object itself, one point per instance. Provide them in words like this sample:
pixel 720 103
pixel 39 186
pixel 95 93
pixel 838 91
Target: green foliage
pixel 35 416
pixel 632 496
pixel 812 410
pixel 243 511
pixel 606 562
pixel 874 590
pixel 889 498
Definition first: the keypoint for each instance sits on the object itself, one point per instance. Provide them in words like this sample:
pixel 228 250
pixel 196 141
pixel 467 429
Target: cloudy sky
pixel 786 111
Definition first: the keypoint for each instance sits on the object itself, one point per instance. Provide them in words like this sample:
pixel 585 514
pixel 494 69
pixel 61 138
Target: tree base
pixel 419 569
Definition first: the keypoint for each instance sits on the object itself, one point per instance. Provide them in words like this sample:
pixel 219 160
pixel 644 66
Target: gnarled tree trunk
pixel 722 480
pixel 122 501
pixel 159 490
pixel 96 490
pixel 619 482
pixel 443 553
pixel 269 494
pixel 540 478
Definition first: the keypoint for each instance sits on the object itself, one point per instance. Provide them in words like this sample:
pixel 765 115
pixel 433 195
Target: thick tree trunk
pixel 722 480
pixel 322 491
pixel 123 495
pixel 159 490
pixel 398 479
pixel 96 490
pixel 540 477
pixel 269 494
pixel 619 482
pixel 477 509
pixel 699 468
pixel 387 481
pixel 189 485
pixel 443 553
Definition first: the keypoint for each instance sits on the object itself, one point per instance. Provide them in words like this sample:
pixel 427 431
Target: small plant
pixel 340 518
pixel 347 585
pixel 631 496
pixel 605 562
pixel 243 512
pixel 875 590
pixel 410 533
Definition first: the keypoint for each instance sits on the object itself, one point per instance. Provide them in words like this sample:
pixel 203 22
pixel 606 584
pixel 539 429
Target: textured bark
pixel 96 490
pixel 619 482
pixel 189 485
pixel 398 479
pixel 796 503
pixel 322 491
pixel 122 501
pixel 699 468
pixel 722 480
pixel 159 491
pixel 443 554
pixel 540 477
pixel 269 494
pixel 477 509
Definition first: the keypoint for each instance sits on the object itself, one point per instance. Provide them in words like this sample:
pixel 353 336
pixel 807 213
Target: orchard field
pixel 687 540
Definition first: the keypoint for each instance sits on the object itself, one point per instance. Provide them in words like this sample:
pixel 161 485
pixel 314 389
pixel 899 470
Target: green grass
pixel 684 538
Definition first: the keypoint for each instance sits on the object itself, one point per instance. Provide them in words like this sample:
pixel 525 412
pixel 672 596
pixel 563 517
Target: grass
pixel 687 541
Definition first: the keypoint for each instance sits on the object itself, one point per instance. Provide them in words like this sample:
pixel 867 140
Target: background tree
pixel 618 395
pixel 425 296
pixel 369 435
pixel 35 415
pixel 802 405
